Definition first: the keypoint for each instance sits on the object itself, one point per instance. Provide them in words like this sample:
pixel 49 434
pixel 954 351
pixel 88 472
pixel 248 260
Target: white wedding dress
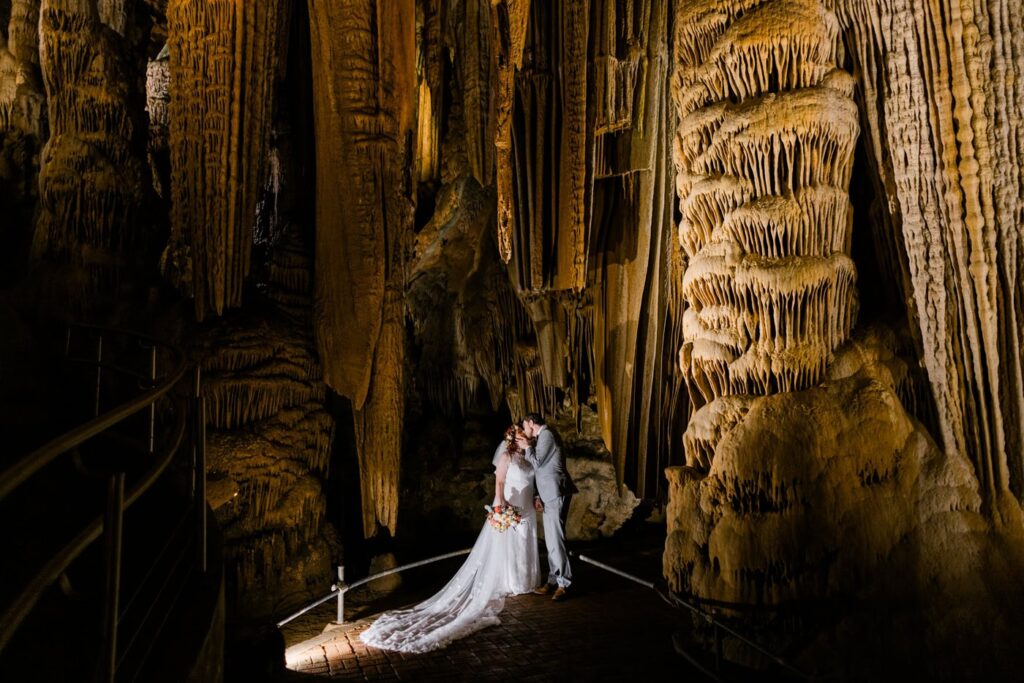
pixel 500 564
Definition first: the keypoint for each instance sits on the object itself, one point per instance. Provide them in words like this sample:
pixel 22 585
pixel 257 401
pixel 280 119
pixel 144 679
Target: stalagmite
pixel 223 57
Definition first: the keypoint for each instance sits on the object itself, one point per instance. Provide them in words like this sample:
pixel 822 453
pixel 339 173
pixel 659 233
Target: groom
pixel 554 492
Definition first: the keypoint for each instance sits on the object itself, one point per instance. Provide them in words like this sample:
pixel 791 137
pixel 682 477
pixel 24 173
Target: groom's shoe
pixel 560 594
pixel 544 589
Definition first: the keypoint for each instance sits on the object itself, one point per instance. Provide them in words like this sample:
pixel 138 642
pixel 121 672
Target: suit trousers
pixel 555 513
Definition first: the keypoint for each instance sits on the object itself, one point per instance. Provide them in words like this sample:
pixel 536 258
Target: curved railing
pixel 166 390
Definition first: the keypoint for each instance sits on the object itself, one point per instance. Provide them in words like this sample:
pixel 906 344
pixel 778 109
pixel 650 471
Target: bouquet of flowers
pixel 503 517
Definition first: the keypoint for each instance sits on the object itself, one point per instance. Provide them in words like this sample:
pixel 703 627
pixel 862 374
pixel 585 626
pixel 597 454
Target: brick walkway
pixel 611 629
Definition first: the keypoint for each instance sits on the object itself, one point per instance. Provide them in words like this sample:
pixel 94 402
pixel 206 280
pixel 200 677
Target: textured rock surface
pixel 269 445
pixel 223 54
pixel 946 80
pixel 365 104
pixel 805 478
pixel 92 177
pixel 764 153
pixel 834 491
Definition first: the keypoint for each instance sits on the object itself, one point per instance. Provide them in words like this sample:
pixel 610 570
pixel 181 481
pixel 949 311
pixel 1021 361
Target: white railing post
pixel 341 594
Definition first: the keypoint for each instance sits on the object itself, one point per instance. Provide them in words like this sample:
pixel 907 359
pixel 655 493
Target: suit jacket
pixel 552 477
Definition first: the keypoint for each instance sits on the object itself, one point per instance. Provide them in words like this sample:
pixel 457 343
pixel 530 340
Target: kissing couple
pixel 530 476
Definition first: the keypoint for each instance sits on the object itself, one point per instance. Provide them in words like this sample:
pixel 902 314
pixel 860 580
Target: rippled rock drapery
pixel 946 80
pixel 91 180
pixel 270 442
pixel 365 104
pixel 805 477
pixel 223 57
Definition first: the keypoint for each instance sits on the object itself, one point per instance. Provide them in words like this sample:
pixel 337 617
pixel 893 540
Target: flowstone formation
pixel 805 479
pixel 270 441
pixel 223 57
pixel 764 151
pixel 943 111
pixel 835 492
pixel 92 177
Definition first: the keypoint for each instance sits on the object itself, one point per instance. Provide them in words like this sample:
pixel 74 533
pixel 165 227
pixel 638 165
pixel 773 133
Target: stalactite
pixel 379 423
pixel 509 19
pixel 470 34
pixel 365 106
pixel 630 304
pixel 575 170
pixel 224 55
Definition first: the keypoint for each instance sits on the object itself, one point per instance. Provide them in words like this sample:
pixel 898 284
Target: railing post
pixel 112 535
pixel 718 641
pixel 99 374
pixel 341 594
pixel 152 406
pixel 200 467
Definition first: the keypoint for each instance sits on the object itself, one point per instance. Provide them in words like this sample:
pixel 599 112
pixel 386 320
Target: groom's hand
pixel 537 505
pixel 523 442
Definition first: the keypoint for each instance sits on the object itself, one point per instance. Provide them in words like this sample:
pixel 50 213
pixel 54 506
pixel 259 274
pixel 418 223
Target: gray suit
pixel 555 489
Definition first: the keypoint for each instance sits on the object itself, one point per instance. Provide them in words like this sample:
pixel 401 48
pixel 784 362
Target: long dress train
pixel 500 564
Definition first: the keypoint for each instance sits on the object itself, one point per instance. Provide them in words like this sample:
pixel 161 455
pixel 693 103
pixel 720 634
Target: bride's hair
pixel 511 447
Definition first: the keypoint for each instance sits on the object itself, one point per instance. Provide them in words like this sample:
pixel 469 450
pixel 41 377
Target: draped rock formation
pixel 805 478
pixel 223 56
pixel 270 441
pixel 365 105
pixel 91 181
pixel 952 211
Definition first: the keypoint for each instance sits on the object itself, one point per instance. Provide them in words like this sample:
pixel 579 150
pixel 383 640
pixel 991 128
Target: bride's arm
pixel 499 479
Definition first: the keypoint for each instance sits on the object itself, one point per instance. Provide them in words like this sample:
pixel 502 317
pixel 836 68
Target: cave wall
pixel 790 390
pixel 944 79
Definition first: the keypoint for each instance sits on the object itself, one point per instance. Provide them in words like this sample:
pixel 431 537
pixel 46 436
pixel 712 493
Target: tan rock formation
pixel 91 182
pixel 365 104
pixel 953 209
pixel 223 57
pixel 764 151
pixel 270 442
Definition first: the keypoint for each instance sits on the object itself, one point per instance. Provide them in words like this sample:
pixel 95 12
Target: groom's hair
pixel 533 417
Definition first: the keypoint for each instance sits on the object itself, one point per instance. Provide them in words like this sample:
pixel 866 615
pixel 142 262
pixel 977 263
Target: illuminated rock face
pixel 91 181
pixel 764 153
pixel 805 477
pixel 223 54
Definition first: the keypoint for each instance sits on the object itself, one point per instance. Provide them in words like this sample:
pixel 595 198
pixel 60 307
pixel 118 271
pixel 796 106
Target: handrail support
pixel 113 527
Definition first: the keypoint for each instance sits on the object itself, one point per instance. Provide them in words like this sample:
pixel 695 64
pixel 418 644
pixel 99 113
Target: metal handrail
pixel 19 472
pixel 28 597
pixel 707 617
pixel 109 525
pixel 341 588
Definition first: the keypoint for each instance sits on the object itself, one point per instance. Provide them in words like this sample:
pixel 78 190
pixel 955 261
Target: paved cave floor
pixel 611 629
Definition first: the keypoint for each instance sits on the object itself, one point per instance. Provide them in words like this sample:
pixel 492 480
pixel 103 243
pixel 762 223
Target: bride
pixel 500 564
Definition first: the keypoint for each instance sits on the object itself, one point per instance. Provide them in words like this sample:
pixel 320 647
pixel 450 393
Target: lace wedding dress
pixel 500 564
